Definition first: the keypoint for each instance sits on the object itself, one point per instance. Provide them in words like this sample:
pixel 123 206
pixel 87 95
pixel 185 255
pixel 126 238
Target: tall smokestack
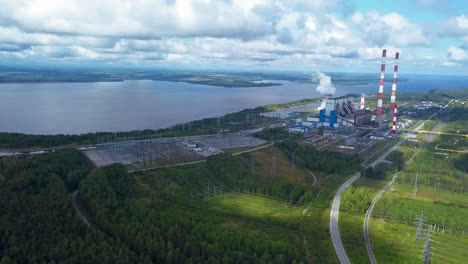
pixel 395 73
pixel 394 119
pixel 363 96
pixel 378 116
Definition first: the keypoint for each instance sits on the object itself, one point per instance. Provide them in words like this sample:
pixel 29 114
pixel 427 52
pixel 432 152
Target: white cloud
pixel 357 18
pixel 457 54
pixel 298 32
pixel 390 29
pixel 462 21
pixel 137 19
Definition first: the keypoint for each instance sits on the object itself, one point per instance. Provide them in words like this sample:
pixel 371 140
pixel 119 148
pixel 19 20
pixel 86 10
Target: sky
pixel 289 35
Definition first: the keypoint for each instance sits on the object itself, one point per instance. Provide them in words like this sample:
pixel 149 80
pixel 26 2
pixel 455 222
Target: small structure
pixel 298 129
pixel 380 134
pixel 346 147
pixel 188 144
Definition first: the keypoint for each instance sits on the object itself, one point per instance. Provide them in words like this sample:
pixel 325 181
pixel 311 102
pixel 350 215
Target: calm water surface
pixel 52 108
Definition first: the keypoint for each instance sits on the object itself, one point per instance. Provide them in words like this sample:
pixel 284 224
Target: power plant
pixel 341 111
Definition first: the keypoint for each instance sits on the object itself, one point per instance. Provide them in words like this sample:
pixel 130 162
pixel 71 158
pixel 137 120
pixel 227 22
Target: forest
pixel 171 236
pixel 324 161
pixel 39 224
pixel 356 200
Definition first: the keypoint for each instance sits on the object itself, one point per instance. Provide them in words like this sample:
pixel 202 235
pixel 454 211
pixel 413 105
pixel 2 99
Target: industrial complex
pixel 340 123
pixel 336 112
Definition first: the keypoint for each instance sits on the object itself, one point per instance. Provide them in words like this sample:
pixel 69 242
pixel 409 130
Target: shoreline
pixel 282 107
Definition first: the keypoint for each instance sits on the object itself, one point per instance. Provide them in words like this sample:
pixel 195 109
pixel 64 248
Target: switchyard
pixel 155 152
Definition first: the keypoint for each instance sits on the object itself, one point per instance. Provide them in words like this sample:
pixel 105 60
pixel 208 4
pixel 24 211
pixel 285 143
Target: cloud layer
pixel 272 34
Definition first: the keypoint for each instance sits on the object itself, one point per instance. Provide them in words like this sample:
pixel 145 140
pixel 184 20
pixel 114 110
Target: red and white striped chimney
pixel 394 118
pixel 363 96
pixel 378 115
pixel 395 73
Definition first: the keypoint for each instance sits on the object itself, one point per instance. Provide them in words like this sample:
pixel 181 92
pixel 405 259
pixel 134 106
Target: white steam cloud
pixel 325 85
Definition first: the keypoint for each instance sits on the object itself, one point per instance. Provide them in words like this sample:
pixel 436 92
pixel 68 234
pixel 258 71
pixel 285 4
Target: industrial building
pixel 334 112
pixel 342 111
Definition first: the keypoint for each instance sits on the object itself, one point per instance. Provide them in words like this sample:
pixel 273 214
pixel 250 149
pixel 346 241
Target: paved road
pixel 334 231
pixel 335 210
pixel 366 220
pixel 77 209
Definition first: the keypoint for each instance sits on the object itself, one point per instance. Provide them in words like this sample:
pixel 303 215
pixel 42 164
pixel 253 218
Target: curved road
pixel 335 210
pixel 370 252
pixel 371 207
pixel 366 220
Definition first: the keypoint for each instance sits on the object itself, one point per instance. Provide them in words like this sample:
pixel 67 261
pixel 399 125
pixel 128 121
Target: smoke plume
pixel 325 85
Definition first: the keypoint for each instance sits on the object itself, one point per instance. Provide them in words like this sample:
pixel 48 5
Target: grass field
pixel 430 194
pixel 393 232
pixel 351 224
pixel 351 231
pixel 253 206
pixel 395 243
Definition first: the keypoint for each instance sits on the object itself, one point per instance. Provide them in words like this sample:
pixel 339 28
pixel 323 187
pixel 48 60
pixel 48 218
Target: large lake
pixel 72 108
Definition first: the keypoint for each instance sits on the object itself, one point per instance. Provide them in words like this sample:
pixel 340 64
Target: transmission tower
pixel 426 255
pixel 419 231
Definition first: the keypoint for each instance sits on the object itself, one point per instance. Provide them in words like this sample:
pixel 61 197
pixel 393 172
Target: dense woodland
pixel 38 223
pixel 166 237
pixel 355 200
pixel 324 161
pixel 385 170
